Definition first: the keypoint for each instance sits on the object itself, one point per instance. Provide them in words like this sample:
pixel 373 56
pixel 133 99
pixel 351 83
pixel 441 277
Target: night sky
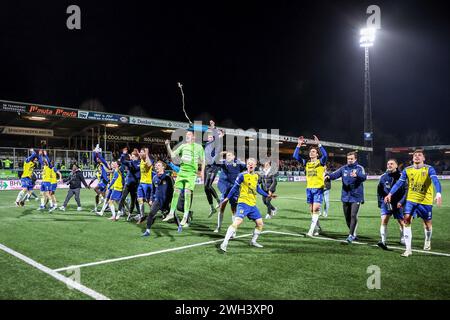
pixel 291 65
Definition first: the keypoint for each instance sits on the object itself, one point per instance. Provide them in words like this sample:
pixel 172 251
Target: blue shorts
pixel 314 195
pixel 251 212
pixel 115 195
pixel 53 187
pixel 144 191
pixel 398 213
pixel 27 183
pixel 416 209
pixel 224 188
pixel 101 186
pixel 46 186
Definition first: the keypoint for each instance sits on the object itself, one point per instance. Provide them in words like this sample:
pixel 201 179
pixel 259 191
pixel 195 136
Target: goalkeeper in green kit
pixel 191 155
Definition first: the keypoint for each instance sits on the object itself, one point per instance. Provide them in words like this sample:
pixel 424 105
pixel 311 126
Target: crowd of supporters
pixel 284 164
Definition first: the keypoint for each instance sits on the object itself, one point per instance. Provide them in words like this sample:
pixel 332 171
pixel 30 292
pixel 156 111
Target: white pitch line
pixel 356 242
pixel 145 254
pixel 54 274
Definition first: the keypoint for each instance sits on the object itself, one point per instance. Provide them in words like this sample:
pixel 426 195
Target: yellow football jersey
pixel 47 174
pixel 98 172
pixel 315 173
pixel 420 186
pixel 146 172
pixel 28 168
pixel 53 177
pixel 247 193
pixel 118 184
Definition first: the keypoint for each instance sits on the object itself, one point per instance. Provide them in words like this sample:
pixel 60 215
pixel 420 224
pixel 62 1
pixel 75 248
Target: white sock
pixel 105 204
pixel 185 215
pixel 314 219
pixel 231 230
pixel 113 210
pixel 401 233
pixel 141 209
pixel 256 234
pixel 383 232
pixel 408 237
pixel 219 220
pixel 428 234
pixel 50 201
pixel 20 196
pixel 42 201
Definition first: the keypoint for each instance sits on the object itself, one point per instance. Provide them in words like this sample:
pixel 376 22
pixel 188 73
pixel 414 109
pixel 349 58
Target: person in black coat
pixel 268 182
pixel 74 180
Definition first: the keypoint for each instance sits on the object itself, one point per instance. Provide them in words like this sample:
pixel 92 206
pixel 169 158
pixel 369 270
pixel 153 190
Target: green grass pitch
pixel 288 267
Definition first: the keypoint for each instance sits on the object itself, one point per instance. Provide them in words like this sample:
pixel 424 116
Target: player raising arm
pixel 246 186
pixel 419 201
pixel 191 154
pixel 26 178
pixel 315 171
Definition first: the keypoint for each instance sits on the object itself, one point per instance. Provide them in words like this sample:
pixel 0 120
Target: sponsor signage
pixel 28 131
pixel 17 185
pixel 100 116
pixel 87 174
pixel 123 138
pixel 154 140
pixel 158 123
pixel 13 107
pixel 52 111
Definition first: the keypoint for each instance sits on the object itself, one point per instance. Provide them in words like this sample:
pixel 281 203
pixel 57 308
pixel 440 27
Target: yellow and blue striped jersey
pixel 247 187
pixel 47 174
pixel 146 172
pixel 117 181
pixel 315 170
pixel 315 173
pixel 54 177
pixel 420 184
pixel 28 168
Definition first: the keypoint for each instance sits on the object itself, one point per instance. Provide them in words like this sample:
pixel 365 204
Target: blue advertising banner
pixel 92 115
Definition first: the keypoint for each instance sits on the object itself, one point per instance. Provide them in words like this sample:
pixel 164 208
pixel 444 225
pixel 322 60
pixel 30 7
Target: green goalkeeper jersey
pixel 190 154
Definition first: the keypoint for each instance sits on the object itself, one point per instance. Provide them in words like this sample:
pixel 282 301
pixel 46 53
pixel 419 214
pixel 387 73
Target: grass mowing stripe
pixel 356 242
pixel 146 254
pixel 56 275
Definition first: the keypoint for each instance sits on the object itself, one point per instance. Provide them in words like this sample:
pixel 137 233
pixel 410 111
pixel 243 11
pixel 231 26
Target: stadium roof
pixel 21 113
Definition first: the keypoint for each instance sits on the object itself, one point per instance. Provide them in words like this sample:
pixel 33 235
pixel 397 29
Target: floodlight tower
pixel 366 41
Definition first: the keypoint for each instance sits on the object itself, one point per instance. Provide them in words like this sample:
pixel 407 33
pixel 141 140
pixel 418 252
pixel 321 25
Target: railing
pixel 60 157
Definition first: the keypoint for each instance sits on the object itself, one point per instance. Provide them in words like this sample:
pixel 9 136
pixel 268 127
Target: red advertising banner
pixel 50 111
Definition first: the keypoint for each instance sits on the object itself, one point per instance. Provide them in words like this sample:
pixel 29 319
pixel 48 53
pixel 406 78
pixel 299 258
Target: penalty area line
pixel 69 282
